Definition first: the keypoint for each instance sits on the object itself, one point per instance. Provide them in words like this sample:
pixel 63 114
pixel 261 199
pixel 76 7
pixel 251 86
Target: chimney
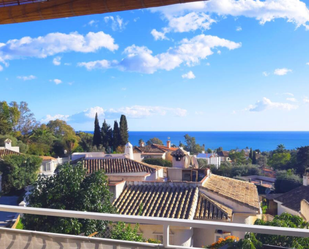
pixel 142 143
pixel 128 151
pixel 168 144
pixel 8 144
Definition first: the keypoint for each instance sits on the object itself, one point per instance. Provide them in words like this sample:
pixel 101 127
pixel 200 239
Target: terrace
pixel 12 238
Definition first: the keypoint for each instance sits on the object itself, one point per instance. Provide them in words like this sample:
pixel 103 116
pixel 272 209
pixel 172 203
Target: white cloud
pixel 54 43
pixel 57 61
pixel 1 68
pixel 158 35
pixel 265 74
pixel 93 23
pixel 290 94
pixel 219 51
pixel 291 99
pixel 266 104
pixel 141 59
pixel 56 81
pixel 189 75
pixel 307 63
pixel 30 77
pixel 282 71
pixel 189 22
pixel 57 116
pixel 239 28
pixel 306 100
pixel 117 22
pixel 136 111
pixel 294 11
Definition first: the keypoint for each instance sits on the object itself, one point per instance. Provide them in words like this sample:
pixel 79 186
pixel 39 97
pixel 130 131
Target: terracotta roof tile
pixel 149 149
pixel 5 152
pixel 158 200
pixel 208 209
pixel 293 198
pixel 48 158
pixel 117 165
pixel 165 148
pixel 236 190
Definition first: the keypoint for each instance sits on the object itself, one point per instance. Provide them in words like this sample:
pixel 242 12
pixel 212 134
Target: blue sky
pixel 231 65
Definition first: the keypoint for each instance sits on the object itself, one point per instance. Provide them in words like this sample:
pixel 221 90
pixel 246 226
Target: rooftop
pixel 242 192
pixel 5 152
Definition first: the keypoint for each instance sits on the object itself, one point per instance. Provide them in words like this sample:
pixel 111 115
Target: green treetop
pixel 97 134
pixel 124 135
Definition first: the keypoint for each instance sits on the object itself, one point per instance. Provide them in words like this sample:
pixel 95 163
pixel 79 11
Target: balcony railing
pixel 22 238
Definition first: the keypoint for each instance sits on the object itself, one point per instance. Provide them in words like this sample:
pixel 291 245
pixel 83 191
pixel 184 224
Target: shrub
pixel 158 161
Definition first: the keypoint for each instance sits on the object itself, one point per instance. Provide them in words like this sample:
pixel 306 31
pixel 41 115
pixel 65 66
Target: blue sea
pixel 265 141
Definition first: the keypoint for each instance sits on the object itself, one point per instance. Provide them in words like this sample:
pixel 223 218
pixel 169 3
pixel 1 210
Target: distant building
pixel 225 156
pixel 49 165
pixel 210 158
pixel 8 149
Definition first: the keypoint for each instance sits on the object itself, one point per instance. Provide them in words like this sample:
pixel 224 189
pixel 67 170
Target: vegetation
pixel 19 171
pixel 123 131
pixel 227 169
pixel 154 141
pixel 70 189
pixel 191 145
pixel 97 134
pixel 158 161
pixel 122 231
pixel 221 242
pixel 286 181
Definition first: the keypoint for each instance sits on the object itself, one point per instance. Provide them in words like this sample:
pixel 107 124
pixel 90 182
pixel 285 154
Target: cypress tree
pixel 106 136
pixel 251 154
pixel 254 158
pixel 96 135
pixel 124 135
pixel 116 135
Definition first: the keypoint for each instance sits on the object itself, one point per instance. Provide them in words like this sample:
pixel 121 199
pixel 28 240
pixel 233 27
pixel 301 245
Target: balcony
pixel 17 239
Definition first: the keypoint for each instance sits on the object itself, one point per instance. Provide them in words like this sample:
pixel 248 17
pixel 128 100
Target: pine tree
pixel 106 136
pixel 251 154
pixel 254 158
pixel 124 135
pixel 96 135
pixel 116 136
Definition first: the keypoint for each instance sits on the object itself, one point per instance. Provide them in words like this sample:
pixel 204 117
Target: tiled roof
pixel 179 153
pixel 47 158
pixel 293 198
pixel 208 209
pixel 223 153
pixel 171 200
pixel 5 152
pixel 165 148
pixel 149 149
pixel 235 190
pixel 117 165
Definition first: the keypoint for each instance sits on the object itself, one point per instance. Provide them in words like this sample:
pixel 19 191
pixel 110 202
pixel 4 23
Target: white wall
pixel 282 209
pixel 174 174
pixel 203 237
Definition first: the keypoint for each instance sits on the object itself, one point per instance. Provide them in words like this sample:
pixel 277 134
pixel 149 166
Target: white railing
pixel 165 222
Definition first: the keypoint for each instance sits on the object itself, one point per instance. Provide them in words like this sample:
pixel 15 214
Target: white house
pixel 49 164
pixel 210 158
pixel 8 146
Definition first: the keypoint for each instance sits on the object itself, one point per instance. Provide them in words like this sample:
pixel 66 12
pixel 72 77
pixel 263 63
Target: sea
pixel 262 140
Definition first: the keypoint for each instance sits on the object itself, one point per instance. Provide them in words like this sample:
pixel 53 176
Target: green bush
pixel 158 161
pixel 286 181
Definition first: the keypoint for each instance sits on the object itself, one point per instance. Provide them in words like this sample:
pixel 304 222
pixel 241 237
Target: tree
pixel 9 116
pixel 251 154
pixel 85 142
pixel 70 189
pixel 262 161
pixel 202 164
pixel 286 181
pixel 254 158
pixel 97 134
pixel 26 122
pixel 19 171
pixel 219 149
pixel 238 157
pixel 116 136
pixel 23 148
pixel 124 135
pixel 106 136
pixel 280 148
pixel 302 160
pixel 66 138
pixel 209 150
pixel 191 145
pixel 154 141
pixel 140 142
pixel 279 160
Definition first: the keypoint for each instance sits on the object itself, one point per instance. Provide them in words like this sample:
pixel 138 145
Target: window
pixel 159 236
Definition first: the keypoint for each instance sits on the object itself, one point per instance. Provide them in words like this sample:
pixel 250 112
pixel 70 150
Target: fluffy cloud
pixel 189 75
pixel 189 22
pixel 117 22
pixel 290 94
pixel 141 59
pixel 294 11
pixel 57 61
pixel 291 99
pixel 158 35
pixel 266 103
pixel 306 100
pixel 282 71
pixel 239 28
pixel 54 43
pixel 265 74
pixel 54 117
pixel 56 81
pixel 136 111
pixel 93 23
pixel 30 77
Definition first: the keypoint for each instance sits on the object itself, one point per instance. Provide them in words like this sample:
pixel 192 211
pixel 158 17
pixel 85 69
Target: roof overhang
pixel 15 11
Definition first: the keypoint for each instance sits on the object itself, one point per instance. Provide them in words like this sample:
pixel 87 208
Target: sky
pixel 228 65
